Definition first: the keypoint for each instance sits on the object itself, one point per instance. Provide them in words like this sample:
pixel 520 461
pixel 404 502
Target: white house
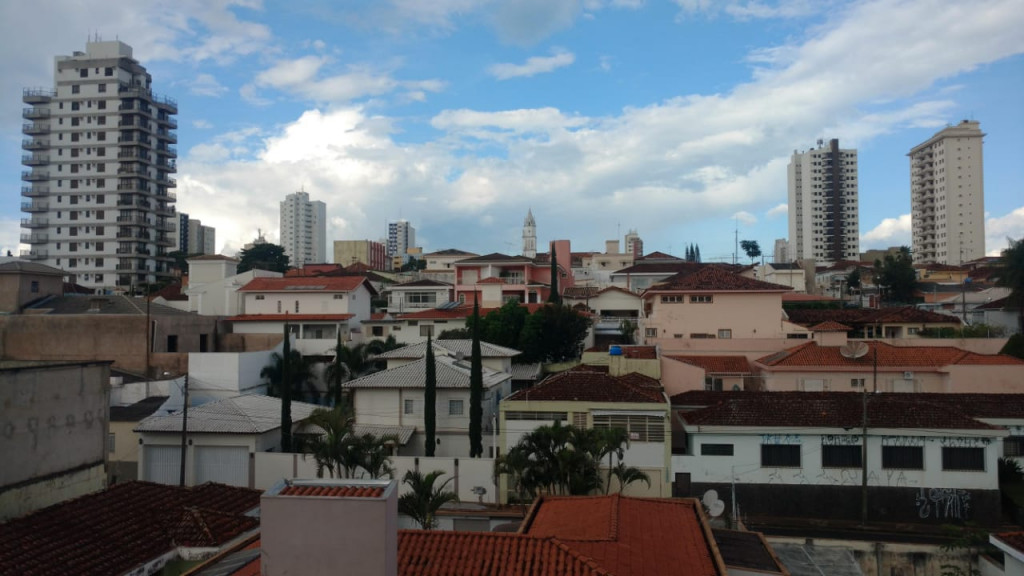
pixel 316 307
pixel 394 397
pixel 418 295
pixel 213 285
pixel 498 358
pixel 799 455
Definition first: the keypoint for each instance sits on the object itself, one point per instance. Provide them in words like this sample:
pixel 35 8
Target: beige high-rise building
pixel 947 196
pixel 823 209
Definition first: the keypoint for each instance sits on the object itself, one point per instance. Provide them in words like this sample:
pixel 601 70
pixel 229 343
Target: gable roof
pixel 117 530
pixel 722 364
pixel 814 355
pixel 830 326
pixel 658 268
pixel 138 411
pixel 451 252
pixel 307 284
pixel 630 536
pixel 658 256
pixel 442 553
pixel 103 305
pixel 856 317
pixel 251 414
pixel 496 257
pixel 714 279
pixel 586 386
pixel 449 347
pixel 24 267
pixel 451 373
pixel 826 410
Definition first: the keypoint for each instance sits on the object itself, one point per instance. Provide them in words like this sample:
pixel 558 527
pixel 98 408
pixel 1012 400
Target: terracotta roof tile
pixel 305 284
pixel 327 491
pixel 640 352
pixel 495 257
pixel 858 317
pixel 714 279
pixel 443 553
pixel 830 326
pixel 118 529
pixel 587 386
pixel 718 364
pixel 1014 540
pixel 291 317
pixel 827 410
pixel 811 354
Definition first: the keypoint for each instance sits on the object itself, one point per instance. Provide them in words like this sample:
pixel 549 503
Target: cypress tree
pixel 476 390
pixel 286 393
pixel 554 297
pixel 696 253
pixel 430 401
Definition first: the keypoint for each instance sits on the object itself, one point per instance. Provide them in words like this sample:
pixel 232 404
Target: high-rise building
pixel 100 155
pixel 304 229
pixel 373 254
pixel 181 233
pixel 823 212
pixel 401 237
pixel 201 239
pixel 947 196
pixel 529 235
pixel 781 251
pixel 634 244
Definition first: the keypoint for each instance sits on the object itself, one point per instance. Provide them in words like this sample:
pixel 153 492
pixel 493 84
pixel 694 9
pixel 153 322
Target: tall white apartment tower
pixel 529 235
pixel 947 196
pixel 634 244
pixel 401 237
pixel 99 153
pixel 823 209
pixel 303 229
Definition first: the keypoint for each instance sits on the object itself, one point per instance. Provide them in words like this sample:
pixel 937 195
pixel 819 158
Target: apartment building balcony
pixel 35 113
pixel 34 222
pixel 165 211
pixel 170 150
pixel 35 238
pixel 35 206
pixel 36 128
pixel 129 152
pixel 35 191
pixel 163 241
pixel 167 136
pixel 133 221
pixel 168 121
pixel 134 266
pixel 34 254
pixel 166 226
pixel 37 95
pixel 167 163
pixel 166 195
pixel 34 144
pixel 35 159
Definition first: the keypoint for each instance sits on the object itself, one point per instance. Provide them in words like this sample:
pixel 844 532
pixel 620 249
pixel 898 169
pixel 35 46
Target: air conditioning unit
pixel 908 375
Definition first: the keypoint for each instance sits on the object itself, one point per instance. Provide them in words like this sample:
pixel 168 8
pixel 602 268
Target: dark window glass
pixel 840 456
pixel 903 457
pixel 963 459
pixel 780 455
pixel 716 449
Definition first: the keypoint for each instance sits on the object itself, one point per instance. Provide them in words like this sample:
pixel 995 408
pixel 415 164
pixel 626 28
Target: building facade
pixel 947 196
pixel 401 237
pixel 304 229
pixel 99 152
pixel 201 239
pixel 373 254
pixel 823 209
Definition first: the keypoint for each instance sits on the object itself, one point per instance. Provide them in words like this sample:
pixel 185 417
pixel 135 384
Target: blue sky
pixel 674 118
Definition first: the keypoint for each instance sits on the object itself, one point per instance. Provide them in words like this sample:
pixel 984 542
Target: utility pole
pixel 864 438
pixel 184 431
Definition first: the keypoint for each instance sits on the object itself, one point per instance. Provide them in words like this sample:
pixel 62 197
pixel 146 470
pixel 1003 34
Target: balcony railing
pixel 34 238
pixel 34 159
pixel 33 144
pixel 37 95
pixel 34 222
pixel 35 191
pixel 36 128
pixel 35 206
pixel 34 254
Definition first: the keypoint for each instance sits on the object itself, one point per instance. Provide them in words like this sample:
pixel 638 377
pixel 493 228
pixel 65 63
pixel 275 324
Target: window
pixel 339 296
pixel 579 420
pixel 963 459
pixel 426 330
pixel 841 456
pixel 1013 446
pixel 102 104
pixel 98 262
pixel 34 287
pixel 651 332
pixel 455 407
pixel 75 105
pixel 407 406
pixel 903 457
pixel 111 442
pixel 536 415
pixel 672 299
pixel 639 428
pixel 172 342
pixel 108 71
pixel 725 333
pixel 296 306
pixel 278 306
pixel 102 87
pixel 713 384
pixel 856 382
pixel 75 89
pixel 780 455
pixel 261 296
pixel 73 246
pixel 377 331
pixel 716 449
pixel 706 299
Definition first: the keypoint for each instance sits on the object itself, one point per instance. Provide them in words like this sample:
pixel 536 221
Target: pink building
pixel 496 278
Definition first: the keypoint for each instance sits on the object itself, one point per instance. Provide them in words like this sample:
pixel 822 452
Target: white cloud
pixel 998 229
pixel 533 66
pixel 889 232
pixel 10 237
pixel 526 22
pixel 201 124
pixel 780 210
pixel 754 9
pixel 305 77
pixel 206 85
pixel 605 63
pixel 745 217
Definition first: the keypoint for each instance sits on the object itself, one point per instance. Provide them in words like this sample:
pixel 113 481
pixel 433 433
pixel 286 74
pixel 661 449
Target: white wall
pixel 356 302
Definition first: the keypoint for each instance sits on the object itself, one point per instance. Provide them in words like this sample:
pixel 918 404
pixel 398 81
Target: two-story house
pixel 497 278
pixel 317 308
pixel 441 264
pixel 416 295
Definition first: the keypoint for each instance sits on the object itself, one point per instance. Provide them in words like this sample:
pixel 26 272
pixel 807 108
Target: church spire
pixel 529 235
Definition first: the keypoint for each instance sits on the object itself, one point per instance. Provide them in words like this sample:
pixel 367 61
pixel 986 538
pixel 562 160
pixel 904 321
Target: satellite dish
pixel 853 350
pixel 709 497
pixel 716 508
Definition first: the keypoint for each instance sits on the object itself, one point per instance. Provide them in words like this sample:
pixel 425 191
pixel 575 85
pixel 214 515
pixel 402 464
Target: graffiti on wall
pixel 781 439
pixel 34 426
pixel 840 440
pixel 943 503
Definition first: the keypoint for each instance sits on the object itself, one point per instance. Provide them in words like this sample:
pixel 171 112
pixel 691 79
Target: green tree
pixel 456 334
pixel 627 475
pixel 1011 275
pixel 179 260
pixel 301 374
pixel 696 253
pixel 504 325
pixel 263 257
pixel 853 280
pixel 329 447
pixel 430 402
pixel 476 390
pixel 555 295
pixel 554 333
pixel 896 276
pixel 752 248
pixel 424 499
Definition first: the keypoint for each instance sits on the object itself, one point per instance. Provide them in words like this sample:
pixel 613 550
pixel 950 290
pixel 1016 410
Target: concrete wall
pixel 836 380
pixel 355 302
pixel 880 558
pixel 747 315
pixel 16 289
pixel 53 430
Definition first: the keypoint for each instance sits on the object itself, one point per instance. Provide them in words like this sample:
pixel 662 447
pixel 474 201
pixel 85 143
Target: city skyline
pixel 674 119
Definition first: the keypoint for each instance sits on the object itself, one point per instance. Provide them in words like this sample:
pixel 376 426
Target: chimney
pixel 611 246
pixel 326 527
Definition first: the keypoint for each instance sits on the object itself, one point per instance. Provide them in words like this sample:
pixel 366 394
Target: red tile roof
pixel 640 352
pixel 630 536
pixel 326 491
pixel 291 317
pixel 659 268
pixel 813 355
pixel 491 280
pixel 306 284
pixel 795 297
pixel 658 256
pixel 857 317
pixel 718 364
pixel 825 410
pixel 714 279
pixel 830 326
pixel 1014 540
pixel 443 553
pixel 118 529
pixel 312 270
pixel 588 386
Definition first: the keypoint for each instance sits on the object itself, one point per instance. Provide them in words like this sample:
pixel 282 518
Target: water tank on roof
pixel 615 351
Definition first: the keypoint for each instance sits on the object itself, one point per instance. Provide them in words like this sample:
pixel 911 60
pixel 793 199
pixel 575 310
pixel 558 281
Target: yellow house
pixel 589 398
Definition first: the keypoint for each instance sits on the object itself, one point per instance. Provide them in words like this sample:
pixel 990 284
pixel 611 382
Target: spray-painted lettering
pixel 943 503
pixel 781 439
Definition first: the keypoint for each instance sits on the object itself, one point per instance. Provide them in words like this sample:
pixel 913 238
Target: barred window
pixel 705 299
pixel 780 455
pixel 841 457
pixel 716 449
pixel 672 299
pixel 903 457
pixel 963 459
pixel 579 419
pixel 639 428
pixel 536 415
pixel 1013 446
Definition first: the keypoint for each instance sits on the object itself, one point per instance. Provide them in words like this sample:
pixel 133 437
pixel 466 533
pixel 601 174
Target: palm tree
pixel 328 449
pixel 374 454
pixel 301 375
pixel 626 475
pixel 423 500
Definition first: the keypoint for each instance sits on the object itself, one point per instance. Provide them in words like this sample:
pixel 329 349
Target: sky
pixel 676 118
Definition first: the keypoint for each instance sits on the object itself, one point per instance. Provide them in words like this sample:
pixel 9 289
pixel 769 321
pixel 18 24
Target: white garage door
pixel 161 464
pixel 223 464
